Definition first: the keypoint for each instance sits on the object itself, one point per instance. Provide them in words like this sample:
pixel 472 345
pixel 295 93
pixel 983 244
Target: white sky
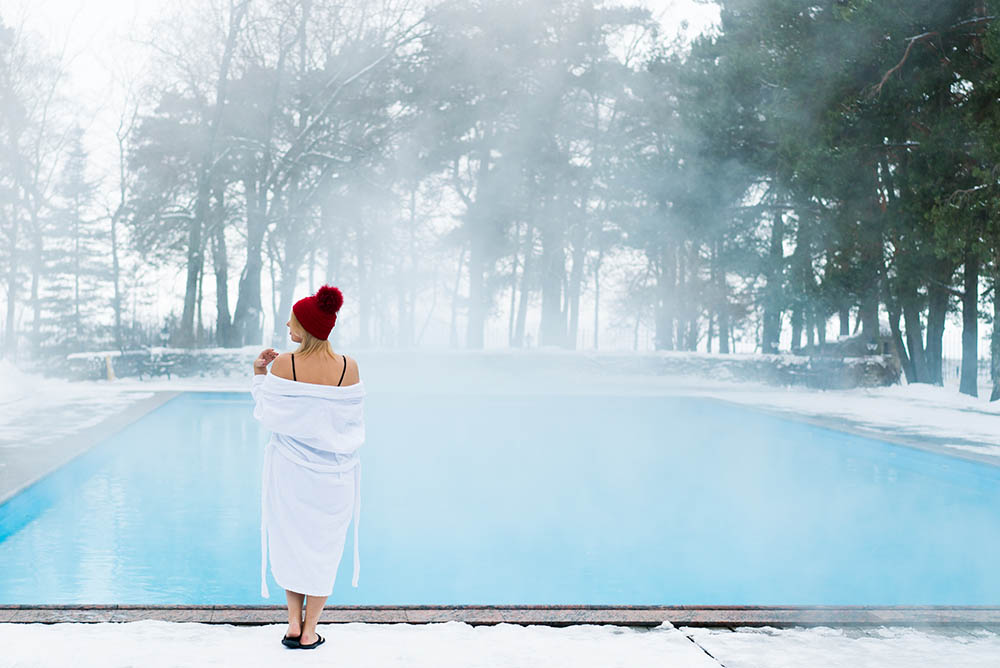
pixel 97 36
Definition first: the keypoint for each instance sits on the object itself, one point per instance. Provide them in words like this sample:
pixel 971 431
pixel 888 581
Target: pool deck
pixel 731 616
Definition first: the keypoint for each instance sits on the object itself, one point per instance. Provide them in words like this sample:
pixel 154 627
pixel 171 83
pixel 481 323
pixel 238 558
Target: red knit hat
pixel 318 313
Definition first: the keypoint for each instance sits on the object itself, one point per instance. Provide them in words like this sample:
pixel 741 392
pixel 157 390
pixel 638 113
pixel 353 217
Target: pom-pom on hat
pixel 318 313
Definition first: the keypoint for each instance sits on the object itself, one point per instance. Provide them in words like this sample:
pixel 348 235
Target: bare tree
pixel 35 125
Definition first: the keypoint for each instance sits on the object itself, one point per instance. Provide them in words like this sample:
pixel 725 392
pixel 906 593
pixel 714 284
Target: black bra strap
pixel 343 372
pixel 293 367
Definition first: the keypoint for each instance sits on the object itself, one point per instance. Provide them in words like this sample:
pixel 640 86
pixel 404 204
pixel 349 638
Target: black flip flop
pixel 319 641
pixel 291 641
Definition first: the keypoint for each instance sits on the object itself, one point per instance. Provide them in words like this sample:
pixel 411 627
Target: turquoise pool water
pixel 478 499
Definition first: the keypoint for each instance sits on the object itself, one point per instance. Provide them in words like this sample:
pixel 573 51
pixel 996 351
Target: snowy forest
pixel 813 168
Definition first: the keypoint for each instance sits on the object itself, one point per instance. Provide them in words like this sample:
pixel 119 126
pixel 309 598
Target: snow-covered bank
pixel 826 372
pixel 35 409
pixel 824 647
pixel 156 644
pixel 955 421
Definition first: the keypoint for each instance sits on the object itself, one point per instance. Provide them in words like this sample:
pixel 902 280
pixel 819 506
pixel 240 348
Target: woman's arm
pixel 266 357
pixel 256 383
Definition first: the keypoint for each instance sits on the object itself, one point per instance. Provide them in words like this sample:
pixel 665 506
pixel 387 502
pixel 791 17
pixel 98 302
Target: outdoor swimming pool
pixel 521 499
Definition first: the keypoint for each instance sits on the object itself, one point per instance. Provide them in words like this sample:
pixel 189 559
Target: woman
pixel 313 403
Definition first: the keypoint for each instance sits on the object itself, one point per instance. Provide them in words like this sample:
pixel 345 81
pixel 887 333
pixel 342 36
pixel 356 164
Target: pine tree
pixel 76 261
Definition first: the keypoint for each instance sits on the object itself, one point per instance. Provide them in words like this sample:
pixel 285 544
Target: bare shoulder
pixel 282 366
pixel 351 375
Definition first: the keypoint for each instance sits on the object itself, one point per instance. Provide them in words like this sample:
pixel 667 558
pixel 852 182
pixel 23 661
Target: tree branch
pixel 979 20
pixel 877 90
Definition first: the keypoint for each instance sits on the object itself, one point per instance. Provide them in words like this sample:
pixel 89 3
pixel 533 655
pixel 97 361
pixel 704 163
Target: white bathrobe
pixel 311 484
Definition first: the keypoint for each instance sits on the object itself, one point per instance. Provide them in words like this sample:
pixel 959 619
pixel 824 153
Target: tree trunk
pixel 409 323
pixel 286 293
pixel 476 323
pixel 897 338
pixel 553 325
pixel 184 336
pixel 681 297
pixel 868 316
pixel 574 288
pixel 453 332
pixel 914 337
pixel 798 320
pixel 970 325
pixel 513 285
pixel 272 268
pixel 845 320
pixel 597 295
pixel 713 297
pixel 248 320
pixel 37 270
pixel 199 338
pixel 722 300
pixel 771 334
pixel 667 299
pixel 693 310
pixel 937 310
pixel 995 336
pixel 10 335
pixel 522 302
pixel 800 280
pixel 77 329
pixel 116 280
pixel 220 264
pixel 872 265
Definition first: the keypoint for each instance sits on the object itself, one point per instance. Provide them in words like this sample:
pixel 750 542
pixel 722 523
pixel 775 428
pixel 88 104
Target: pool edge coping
pixel 66 449
pixel 546 615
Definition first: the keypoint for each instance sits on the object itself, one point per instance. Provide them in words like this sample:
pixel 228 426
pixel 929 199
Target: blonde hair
pixel 310 344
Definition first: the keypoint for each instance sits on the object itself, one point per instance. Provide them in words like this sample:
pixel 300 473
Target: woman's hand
pixel 266 357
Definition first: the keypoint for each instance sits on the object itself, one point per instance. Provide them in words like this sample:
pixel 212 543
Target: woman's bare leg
pixel 294 612
pixel 314 606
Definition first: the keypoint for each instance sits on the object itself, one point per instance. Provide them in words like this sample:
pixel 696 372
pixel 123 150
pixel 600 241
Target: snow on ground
pixel 824 647
pixel 156 644
pixel 954 420
pixel 35 409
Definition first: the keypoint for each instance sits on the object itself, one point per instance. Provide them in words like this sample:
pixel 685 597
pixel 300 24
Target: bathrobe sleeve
pixel 274 411
pixel 262 407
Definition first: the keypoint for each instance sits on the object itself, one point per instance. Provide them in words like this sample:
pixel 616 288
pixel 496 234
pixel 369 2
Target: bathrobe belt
pixel 354 463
